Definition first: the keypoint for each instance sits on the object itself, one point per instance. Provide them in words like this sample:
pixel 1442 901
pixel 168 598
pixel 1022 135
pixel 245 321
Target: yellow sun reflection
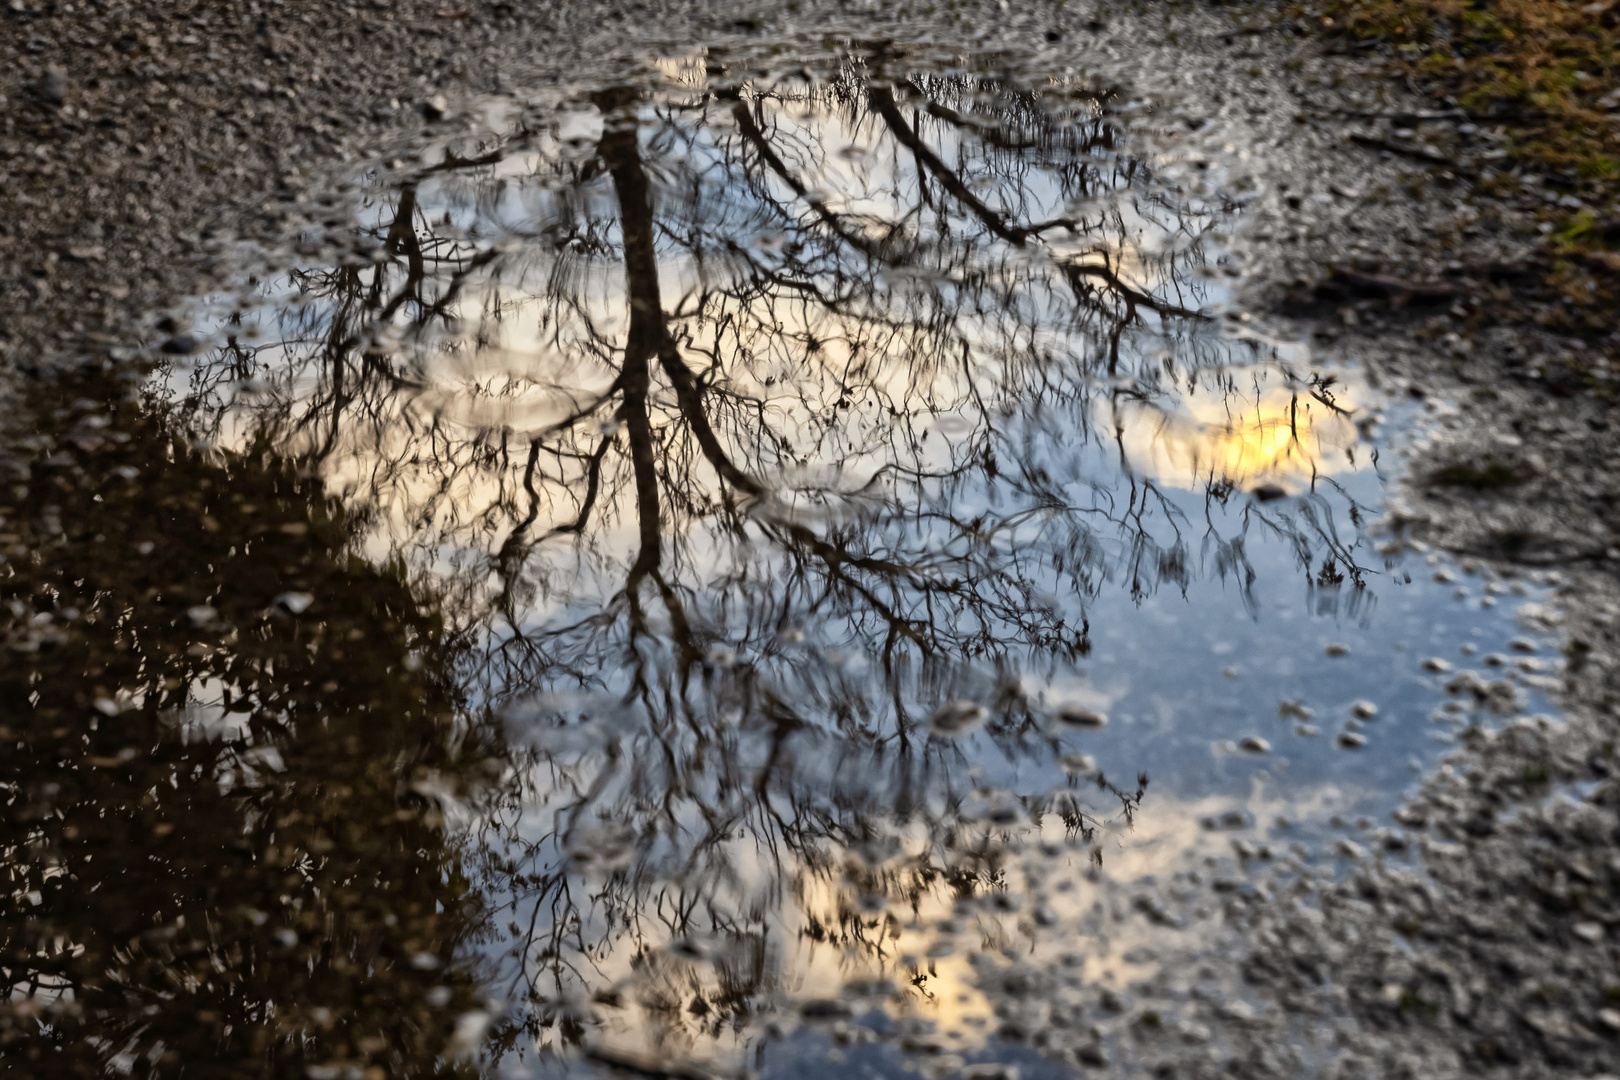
pixel 1259 427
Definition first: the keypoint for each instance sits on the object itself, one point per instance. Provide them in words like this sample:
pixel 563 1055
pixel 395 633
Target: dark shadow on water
pixel 219 851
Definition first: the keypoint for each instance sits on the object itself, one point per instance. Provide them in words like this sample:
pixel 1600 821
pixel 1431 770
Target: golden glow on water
pixel 1278 433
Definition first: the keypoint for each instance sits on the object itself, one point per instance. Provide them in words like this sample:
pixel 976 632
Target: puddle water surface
pixel 735 574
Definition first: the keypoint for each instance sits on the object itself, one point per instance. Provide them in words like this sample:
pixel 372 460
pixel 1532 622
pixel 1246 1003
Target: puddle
pixel 732 573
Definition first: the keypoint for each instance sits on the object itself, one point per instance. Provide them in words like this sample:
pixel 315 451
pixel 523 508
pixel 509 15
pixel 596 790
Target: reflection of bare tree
pixel 765 457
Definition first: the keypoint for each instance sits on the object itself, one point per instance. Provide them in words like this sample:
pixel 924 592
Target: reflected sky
pixel 839 535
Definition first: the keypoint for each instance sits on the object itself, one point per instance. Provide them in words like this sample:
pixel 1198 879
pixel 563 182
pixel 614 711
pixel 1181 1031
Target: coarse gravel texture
pixel 143 146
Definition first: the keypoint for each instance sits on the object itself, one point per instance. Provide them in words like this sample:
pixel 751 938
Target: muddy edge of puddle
pixel 179 136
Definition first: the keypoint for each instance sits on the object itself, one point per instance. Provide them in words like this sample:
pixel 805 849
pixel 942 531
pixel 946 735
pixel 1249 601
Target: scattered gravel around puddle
pixel 1473 935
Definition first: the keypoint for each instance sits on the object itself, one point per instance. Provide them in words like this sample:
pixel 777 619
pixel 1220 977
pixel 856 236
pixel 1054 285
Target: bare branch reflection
pixel 768 441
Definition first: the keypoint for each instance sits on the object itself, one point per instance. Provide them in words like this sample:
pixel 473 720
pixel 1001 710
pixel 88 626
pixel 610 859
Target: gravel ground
pixel 142 145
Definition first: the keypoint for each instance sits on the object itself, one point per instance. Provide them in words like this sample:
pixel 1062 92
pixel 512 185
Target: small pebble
pixel 1351 741
pixel 1434 663
pixel 1078 763
pixel 1081 717
pixel 1337 648
pixel 1254 744
pixel 1364 710
pixel 53 87
pixel 957 718
pixel 1589 931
